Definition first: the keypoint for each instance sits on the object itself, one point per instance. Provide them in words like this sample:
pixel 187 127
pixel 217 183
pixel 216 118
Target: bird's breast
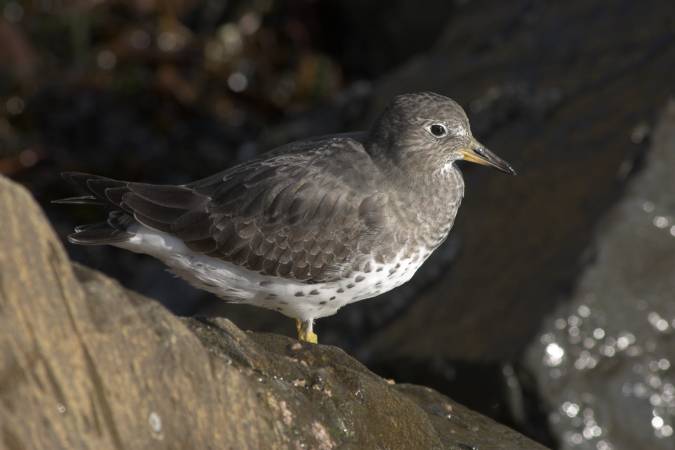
pixel 422 217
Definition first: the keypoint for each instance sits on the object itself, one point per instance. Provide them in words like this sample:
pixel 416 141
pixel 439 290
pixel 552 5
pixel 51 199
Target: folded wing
pixel 307 214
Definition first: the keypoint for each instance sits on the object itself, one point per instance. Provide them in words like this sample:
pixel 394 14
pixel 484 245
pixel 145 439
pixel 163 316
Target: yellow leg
pixel 305 331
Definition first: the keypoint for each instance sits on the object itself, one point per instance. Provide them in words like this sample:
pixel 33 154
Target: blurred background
pixel 551 307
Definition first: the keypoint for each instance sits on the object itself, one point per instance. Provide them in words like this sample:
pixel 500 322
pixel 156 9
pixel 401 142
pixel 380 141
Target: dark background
pixel 169 92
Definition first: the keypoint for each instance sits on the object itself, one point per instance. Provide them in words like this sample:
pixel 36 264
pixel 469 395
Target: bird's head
pixel 428 127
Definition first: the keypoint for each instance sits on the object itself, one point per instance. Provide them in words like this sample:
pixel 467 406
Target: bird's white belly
pixel 292 298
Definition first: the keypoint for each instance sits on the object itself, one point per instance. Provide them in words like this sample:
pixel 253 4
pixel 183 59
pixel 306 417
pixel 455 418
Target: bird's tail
pixel 104 192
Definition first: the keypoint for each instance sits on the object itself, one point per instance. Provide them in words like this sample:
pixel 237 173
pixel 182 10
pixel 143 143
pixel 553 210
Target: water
pixel 604 362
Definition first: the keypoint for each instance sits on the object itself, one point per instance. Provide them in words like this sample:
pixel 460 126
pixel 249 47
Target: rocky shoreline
pixel 85 363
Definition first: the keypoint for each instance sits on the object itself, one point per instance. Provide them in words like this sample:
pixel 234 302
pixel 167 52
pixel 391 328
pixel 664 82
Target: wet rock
pixel 85 363
pixel 604 361
pixel 558 90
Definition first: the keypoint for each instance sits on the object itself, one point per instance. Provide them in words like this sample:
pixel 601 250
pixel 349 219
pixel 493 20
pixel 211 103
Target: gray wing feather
pixel 305 211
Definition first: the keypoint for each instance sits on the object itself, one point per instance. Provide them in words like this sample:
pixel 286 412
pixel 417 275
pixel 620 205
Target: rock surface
pixel 86 364
pixel 605 361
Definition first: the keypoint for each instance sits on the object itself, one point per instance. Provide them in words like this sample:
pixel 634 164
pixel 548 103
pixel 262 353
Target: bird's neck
pixel 429 183
pixel 428 175
pixel 427 201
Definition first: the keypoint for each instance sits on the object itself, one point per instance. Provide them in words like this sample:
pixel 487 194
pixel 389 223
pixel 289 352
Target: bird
pixel 310 226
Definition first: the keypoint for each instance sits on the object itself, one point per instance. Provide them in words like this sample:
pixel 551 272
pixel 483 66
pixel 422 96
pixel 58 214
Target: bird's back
pixel 305 211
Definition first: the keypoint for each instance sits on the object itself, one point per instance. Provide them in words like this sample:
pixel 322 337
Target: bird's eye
pixel 438 130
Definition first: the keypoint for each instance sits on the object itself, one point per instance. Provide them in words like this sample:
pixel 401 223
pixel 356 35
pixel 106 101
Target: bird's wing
pixel 305 212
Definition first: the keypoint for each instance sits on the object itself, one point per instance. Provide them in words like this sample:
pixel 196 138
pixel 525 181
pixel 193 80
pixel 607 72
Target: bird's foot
pixel 305 331
pixel 311 337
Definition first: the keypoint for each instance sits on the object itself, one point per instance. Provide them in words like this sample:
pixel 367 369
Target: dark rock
pixel 371 37
pixel 558 90
pixel 604 363
pixel 85 363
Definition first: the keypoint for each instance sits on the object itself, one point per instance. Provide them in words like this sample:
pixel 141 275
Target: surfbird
pixel 311 226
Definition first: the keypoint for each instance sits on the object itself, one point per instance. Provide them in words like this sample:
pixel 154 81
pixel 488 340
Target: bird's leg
pixel 306 331
pixel 298 326
pixel 312 338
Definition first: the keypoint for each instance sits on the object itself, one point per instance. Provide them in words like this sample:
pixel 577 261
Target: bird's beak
pixel 477 153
